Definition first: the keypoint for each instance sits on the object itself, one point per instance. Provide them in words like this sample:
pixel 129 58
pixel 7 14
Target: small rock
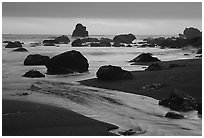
pixel 33 74
pixel 174 115
pixel 21 49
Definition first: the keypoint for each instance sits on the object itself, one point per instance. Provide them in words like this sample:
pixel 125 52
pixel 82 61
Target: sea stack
pixel 80 31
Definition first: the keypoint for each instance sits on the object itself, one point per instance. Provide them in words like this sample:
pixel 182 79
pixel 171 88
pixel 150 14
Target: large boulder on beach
pixel 191 32
pixel 145 57
pixel 179 101
pixel 113 73
pixel 80 31
pixel 67 62
pixel 15 44
pixel 62 39
pixel 36 59
pixel 33 74
pixel 124 38
pixel 21 49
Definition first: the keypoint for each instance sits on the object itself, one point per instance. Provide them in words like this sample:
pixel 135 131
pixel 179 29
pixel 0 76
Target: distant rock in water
pixel 13 44
pixel 62 39
pixel 33 74
pixel 84 40
pixel 179 101
pixel 113 73
pixel 6 41
pixel 67 62
pixel 21 49
pixel 80 31
pixel 49 42
pixel 174 115
pixel 124 38
pixel 77 43
pixel 34 60
pixel 145 57
pixel 191 32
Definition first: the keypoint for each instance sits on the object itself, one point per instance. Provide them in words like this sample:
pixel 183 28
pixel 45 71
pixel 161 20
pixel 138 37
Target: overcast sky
pixel 101 18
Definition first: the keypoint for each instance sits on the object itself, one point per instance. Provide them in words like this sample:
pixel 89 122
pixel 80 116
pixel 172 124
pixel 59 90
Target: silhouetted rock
pixel 21 49
pixel 117 44
pixel 174 115
pixel 113 73
pixel 13 44
pixel 106 40
pixel 84 40
pixel 154 67
pixel 49 42
pixel 67 62
pixel 77 43
pixel 36 60
pixel 124 38
pixel 179 101
pixel 62 39
pixel 191 32
pixel 105 44
pixel 95 45
pixel 199 51
pixel 33 74
pixel 6 41
pixel 80 31
pixel 145 57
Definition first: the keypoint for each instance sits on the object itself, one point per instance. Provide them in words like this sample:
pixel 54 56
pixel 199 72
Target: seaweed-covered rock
pixel 113 73
pixel 67 62
pixel 15 44
pixel 145 57
pixel 36 59
pixel 174 115
pixel 80 31
pixel 21 49
pixel 33 74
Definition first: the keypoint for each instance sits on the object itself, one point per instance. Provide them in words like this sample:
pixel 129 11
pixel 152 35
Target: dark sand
pixel 186 78
pixel 22 118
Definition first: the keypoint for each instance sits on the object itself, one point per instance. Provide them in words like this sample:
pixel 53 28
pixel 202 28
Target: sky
pixel 108 18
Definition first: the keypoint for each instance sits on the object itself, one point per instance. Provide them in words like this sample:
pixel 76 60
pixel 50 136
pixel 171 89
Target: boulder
pixel 145 57
pixel 117 44
pixel 84 40
pixel 95 45
pixel 106 40
pixel 124 38
pixel 80 31
pixel 154 67
pixel 77 43
pixel 113 73
pixel 49 42
pixel 191 32
pixel 15 44
pixel 67 62
pixel 62 39
pixel 21 49
pixel 33 74
pixel 179 101
pixel 6 41
pixel 36 60
pixel 105 43
pixel 174 115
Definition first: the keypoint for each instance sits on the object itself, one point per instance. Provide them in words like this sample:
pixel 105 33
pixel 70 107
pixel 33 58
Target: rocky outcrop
pixel 109 72
pixel 15 44
pixel 33 74
pixel 174 115
pixel 191 32
pixel 85 40
pixel 77 43
pixel 145 57
pixel 62 39
pixel 34 60
pixel 80 31
pixel 179 101
pixel 67 62
pixel 124 38
pixel 21 49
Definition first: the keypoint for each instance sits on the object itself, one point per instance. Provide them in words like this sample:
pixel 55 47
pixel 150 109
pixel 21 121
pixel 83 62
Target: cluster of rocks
pixel 191 36
pixel 15 44
pixel 59 40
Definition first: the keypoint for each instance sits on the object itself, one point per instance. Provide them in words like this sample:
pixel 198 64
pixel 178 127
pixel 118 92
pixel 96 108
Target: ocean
pixel 146 117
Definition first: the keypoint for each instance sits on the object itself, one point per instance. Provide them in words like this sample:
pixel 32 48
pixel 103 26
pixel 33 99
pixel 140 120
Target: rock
pixel 127 132
pixel 77 43
pixel 116 44
pixel 154 67
pixel 113 73
pixel 174 115
pixel 179 101
pixel 6 41
pixel 199 51
pixel 49 42
pixel 35 44
pixel 191 32
pixel 15 44
pixel 80 31
pixel 124 38
pixel 186 54
pixel 95 45
pixel 145 57
pixel 67 62
pixel 129 46
pixel 62 39
pixel 153 86
pixel 106 40
pixel 36 60
pixel 21 49
pixel 33 74
pixel 84 40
